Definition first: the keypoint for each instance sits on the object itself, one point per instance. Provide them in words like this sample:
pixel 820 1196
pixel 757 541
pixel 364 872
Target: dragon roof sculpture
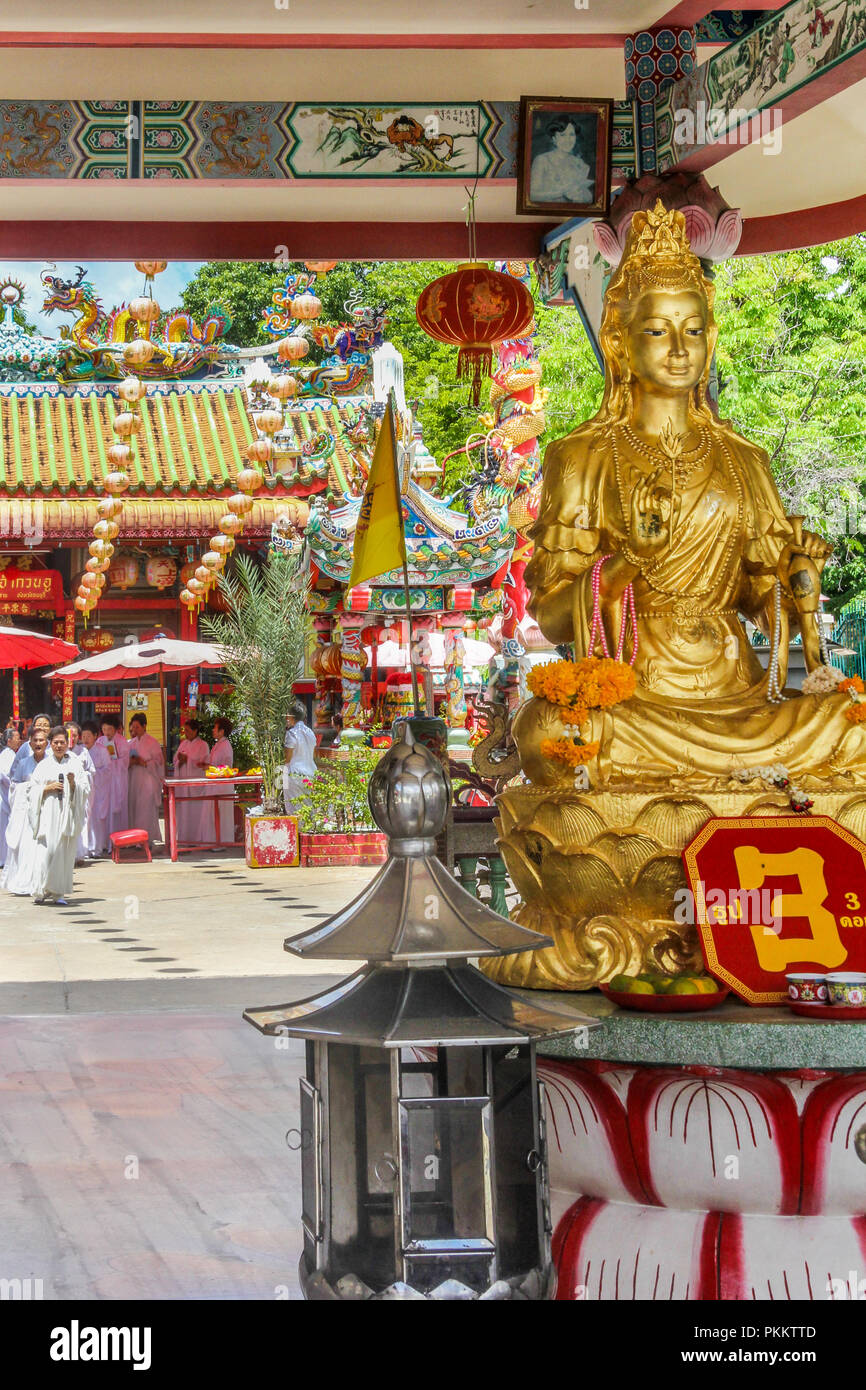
pixel 443 546
pixel 92 348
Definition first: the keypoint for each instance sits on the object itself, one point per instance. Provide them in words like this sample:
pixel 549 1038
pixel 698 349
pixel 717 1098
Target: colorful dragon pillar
pixel 510 475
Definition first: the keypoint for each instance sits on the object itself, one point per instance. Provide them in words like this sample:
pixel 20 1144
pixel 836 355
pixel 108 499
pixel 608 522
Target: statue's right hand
pixel 649 530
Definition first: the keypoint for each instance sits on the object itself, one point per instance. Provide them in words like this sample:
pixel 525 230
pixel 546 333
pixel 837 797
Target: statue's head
pixel 658 326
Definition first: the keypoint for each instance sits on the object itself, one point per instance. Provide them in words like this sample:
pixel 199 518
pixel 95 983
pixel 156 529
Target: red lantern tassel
pixel 473 365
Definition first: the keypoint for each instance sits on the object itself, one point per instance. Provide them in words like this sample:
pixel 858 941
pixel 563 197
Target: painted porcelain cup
pixel 807 989
pixel 847 988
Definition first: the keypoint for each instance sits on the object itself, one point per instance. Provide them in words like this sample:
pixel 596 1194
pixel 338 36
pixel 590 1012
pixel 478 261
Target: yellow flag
pixel 380 542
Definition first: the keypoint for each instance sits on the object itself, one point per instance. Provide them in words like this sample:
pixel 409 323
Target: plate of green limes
pixel 655 993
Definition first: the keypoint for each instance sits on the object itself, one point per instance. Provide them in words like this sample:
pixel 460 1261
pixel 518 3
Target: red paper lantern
pixel 475 309
pixel 96 639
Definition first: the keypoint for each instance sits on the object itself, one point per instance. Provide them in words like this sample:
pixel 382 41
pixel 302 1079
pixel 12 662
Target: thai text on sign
pixel 774 895
pixel 30 586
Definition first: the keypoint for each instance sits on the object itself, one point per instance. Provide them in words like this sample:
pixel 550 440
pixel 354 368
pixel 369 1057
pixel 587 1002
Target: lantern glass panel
pixel 311 1153
pixel 445 1174
pixel 517 1143
pixel 363 1164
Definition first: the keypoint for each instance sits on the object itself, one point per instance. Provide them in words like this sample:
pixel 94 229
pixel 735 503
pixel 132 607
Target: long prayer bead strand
pixel 774 690
pixel 597 625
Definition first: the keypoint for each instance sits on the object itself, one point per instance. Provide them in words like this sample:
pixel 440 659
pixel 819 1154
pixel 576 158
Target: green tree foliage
pixel 244 286
pixel 430 368
pixel 792 376
pixel 263 637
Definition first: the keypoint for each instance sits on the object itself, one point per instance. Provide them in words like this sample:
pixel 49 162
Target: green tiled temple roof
pixel 191 443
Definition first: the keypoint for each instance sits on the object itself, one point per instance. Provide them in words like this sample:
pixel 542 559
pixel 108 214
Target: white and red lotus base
pixel 698 1182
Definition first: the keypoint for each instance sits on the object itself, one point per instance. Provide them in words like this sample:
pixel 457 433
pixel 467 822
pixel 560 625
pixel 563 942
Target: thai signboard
pixel 30 588
pixel 777 895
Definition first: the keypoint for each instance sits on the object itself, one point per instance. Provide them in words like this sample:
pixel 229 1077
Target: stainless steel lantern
pixel 423 1157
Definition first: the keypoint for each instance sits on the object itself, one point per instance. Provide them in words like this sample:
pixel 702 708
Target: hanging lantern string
pixel 472 193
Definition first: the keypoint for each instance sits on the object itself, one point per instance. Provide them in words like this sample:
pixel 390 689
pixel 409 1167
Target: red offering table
pixel 216 789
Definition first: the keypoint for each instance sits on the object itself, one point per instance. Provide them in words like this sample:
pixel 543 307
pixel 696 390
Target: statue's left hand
pixel 816 547
pixel 812 545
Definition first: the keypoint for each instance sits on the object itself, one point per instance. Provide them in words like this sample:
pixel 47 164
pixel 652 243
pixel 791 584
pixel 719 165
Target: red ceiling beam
pixel 788 231
pixel 13 38
pixel 244 241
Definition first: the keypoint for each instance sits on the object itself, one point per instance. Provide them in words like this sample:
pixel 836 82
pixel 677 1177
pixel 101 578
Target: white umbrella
pixel 138 659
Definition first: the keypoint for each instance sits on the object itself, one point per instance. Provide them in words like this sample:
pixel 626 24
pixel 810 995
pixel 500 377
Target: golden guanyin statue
pixel 659 529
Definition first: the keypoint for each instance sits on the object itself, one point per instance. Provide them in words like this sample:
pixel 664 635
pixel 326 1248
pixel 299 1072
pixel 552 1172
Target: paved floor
pixel 142 1122
pixel 201 919
pixel 144 1157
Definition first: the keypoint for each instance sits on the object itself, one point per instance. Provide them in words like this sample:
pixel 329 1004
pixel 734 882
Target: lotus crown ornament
pixel 409 793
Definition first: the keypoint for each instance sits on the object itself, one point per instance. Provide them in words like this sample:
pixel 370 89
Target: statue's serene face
pixel 666 340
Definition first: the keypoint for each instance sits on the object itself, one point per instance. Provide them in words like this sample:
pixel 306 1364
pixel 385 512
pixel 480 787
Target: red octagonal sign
pixel 773 895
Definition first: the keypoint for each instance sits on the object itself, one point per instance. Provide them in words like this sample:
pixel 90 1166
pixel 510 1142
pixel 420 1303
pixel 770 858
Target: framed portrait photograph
pixel 564 156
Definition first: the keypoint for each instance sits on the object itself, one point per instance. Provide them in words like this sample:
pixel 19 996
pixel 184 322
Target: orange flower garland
pixel 575 688
pixel 568 751
pixel 856 714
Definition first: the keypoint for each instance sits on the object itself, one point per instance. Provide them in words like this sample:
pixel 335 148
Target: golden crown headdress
pixel 658 250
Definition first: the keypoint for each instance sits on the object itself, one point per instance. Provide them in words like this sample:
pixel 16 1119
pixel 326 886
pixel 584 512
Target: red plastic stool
pixel 129 839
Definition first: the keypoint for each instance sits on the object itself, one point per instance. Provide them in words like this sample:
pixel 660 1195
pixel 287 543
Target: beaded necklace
pixel 650 568
pixel 687 462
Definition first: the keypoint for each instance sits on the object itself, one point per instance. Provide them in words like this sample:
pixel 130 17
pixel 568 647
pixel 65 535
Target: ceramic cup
pixel 847 988
pixel 807 989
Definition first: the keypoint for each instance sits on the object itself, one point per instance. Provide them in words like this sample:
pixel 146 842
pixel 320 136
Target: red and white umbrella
pixel 24 650
pixel 142 659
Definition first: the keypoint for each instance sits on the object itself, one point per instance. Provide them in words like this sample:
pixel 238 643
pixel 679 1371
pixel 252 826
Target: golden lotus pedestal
pixel 599 872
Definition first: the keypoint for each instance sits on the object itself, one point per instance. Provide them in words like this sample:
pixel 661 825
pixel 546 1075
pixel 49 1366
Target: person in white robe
pixel 18 872
pixel 10 743
pixel 96 832
pixel 300 766
pixel 117 748
pixel 146 776
pixel 59 793
pixel 195 819
pixel 222 755
pixel 78 750
pixel 23 764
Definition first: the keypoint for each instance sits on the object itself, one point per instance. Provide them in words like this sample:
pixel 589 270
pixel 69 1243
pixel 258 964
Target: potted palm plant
pixel 263 635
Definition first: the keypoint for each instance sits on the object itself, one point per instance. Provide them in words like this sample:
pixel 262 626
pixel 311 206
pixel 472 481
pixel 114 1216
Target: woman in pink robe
pixel 195 817
pixel 146 776
pixel 222 755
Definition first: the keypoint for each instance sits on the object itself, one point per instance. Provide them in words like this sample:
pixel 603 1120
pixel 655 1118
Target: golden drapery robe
pixel 700 709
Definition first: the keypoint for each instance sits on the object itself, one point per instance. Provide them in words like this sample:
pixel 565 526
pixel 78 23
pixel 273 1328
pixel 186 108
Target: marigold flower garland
pixel 575 688
pixel 856 711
